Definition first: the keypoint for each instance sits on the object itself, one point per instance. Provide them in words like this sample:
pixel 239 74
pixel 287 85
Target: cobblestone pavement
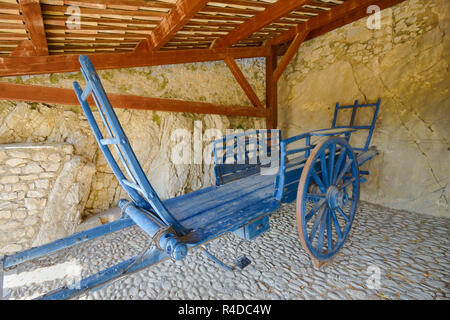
pixel 409 252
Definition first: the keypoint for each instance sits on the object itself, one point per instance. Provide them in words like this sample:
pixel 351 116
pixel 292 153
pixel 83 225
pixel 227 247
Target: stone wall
pixel 43 191
pixel 405 63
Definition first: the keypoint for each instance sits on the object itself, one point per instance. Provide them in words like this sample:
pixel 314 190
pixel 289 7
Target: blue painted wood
pixel 296 162
pixel 101 278
pixel 365 156
pixel 290 194
pixel 292 175
pixel 213 258
pixel 253 229
pixel 322 233
pixel 214 211
pixel 332 131
pixel 75 239
pixel 355 108
pixel 202 199
pixel 144 196
pixel 233 168
pixel 280 181
pixel 249 171
pixel 244 150
pixel 152 225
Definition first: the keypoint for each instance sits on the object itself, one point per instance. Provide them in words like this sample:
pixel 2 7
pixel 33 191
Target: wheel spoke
pixel 344 171
pixel 317 180
pixel 322 230
pixel 316 208
pixel 336 225
pixel 347 183
pixel 329 232
pixel 315 226
pixel 331 156
pixel 346 218
pixel 328 202
pixel 323 167
pixel 315 196
pixel 338 165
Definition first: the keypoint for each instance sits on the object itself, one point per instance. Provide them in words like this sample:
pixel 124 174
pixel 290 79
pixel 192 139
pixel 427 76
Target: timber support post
pixel 271 90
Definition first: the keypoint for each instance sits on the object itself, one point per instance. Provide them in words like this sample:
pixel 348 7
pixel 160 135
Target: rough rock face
pixel 43 191
pixel 66 201
pixel 406 64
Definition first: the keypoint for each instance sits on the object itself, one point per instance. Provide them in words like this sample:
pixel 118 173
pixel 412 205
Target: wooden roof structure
pixel 47 36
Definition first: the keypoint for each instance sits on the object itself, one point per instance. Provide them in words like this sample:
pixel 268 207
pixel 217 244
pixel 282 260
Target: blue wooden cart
pixel 319 169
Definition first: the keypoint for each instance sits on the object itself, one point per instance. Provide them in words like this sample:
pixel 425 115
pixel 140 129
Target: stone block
pixel 10 225
pixel 35 204
pixel 32 168
pixel 5 214
pixel 20 186
pixel 19 154
pixel 30 221
pixel 54 157
pixel 20 214
pixel 50 166
pixel 42 184
pixel 9 179
pixel 36 194
pixel 15 162
pixel 7 196
pixel 28 177
pixel 39 156
pixel 10 248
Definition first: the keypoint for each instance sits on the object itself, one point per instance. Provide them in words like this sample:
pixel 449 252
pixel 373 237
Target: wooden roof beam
pixel 24 49
pixel 31 93
pixel 245 85
pixel 183 11
pixel 17 66
pixel 290 53
pixel 269 15
pixel 119 4
pixel 32 16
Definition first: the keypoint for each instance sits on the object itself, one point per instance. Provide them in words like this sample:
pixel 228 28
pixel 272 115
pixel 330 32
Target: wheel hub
pixel 336 198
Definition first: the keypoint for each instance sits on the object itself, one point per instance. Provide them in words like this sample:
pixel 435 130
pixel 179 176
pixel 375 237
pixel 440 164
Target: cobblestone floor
pixel 409 252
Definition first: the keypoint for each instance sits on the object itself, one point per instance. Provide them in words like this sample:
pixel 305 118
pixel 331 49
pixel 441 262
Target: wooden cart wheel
pixel 327 198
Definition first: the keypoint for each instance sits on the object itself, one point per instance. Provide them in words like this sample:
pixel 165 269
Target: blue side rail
pixel 295 150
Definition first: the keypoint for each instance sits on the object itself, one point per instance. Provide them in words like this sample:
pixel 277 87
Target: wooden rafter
pixel 20 92
pixel 32 16
pixel 111 29
pixel 16 66
pixel 291 51
pixel 118 4
pixel 183 11
pixel 245 85
pixel 270 14
pixel 350 17
pixel 24 49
